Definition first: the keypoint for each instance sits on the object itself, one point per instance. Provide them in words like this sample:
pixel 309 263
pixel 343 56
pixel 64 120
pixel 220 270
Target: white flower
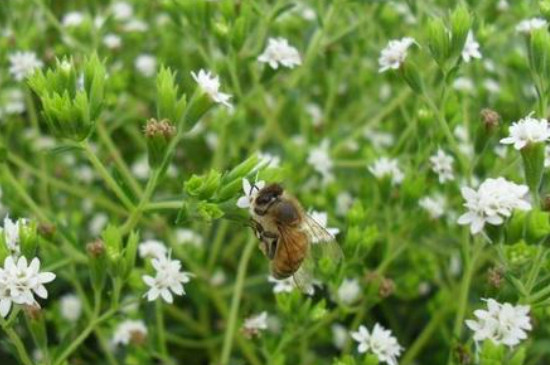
pixel 129 330
pixel 394 54
pixel 491 85
pixel 528 25
pixel 71 307
pixel 11 231
pixel 253 325
pixel 210 85
pixel 494 201
pixel 122 10
pixel 97 223
pixel 152 249
pixel 146 64
pixel 250 192
pixel 282 286
pixel 319 158
pixel 168 279
pixel 501 323
pixel 315 113
pixel 385 167
pixel 378 139
pixel 340 335
pixel 23 64
pixel 112 41
pixel 217 278
pixel 380 342
pixel 322 219
pixel 471 48
pixel 435 206
pixel 188 237
pixel 135 25
pixel 349 291
pixel 279 52
pixel 140 168
pixel 442 165
pixel 72 19
pixel 503 5
pixel 20 281
pixel 344 201
pixel 12 102
pixel 526 131
pixel 271 161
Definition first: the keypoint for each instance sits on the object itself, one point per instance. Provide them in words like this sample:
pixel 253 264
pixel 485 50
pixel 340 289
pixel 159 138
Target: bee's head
pixel 268 195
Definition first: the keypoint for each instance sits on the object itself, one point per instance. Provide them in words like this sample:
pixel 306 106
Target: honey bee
pixel 286 233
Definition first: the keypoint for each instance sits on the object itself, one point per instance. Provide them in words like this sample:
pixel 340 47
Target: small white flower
pixel 146 64
pixel 152 249
pixel 71 307
pixel 528 25
pixel 20 281
pixel 129 331
pixel 492 86
pixel 12 101
pixel 385 167
pixel 344 201
pixel 255 324
pixel 135 25
pixel 140 168
pixel 340 335
pixel 11 230
pixel 188 237
pixel 112 41
pixel 494 201
pixel 23 64
pixel 122 10
pixel 503 5
pixel 442 165
pixel 315 113
pixel 394 54
pixel 97 223
pixel 210 85
pixel 380 342
pixel 72 19
pixel 502 151
pixel 250 192
pixel 378 139
pixel 271 161
pixel 168 279
pixel 282 286
pixel 435 206
pixel 526 131
pixel 218 278
pixel 322 219
pixel 319 158
pixel 349 291
pixel 471 48
pixel 501 323
pixel 279 52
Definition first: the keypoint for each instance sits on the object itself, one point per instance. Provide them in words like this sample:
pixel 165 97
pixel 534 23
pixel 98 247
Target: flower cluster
pixel 442 165
pixel 168 279
pixel 494 200
pixel 380 342
pixel 527 131
pixel 386 167
pixel 20 281
pixel 394 54
pixel 501 323
pixel 279 52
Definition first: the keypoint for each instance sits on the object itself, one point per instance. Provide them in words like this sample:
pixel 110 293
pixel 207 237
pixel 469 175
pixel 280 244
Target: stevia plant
pixel 133 132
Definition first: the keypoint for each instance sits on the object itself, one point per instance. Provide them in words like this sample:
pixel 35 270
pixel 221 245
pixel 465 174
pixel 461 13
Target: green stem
pixel 138 211
pixel 100 168
pixel 167 205
pixel 235 301
pixel 117 158
pixel 161 335
pixel 16 341
pixel 424 338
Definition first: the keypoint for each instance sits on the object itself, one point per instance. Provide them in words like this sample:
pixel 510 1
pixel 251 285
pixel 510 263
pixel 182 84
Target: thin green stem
pixel 161 333
pixel 235 301
pixel 138 211
pixel 16 342
pixel 119 161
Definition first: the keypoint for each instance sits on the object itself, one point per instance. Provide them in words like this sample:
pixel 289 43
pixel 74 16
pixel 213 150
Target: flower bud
pixel 490 121
pixel 97 263
pixel 538 226
pixel 95 249
pixel 519 253
pixel 130 251
pixel 386 288
pixel 170 104
pixel 208 211
pixel 533 164
pixel 409 73
pixel 34 318
pixel 438 41
pixel 539 52
pixel 47 230
pixel 203 187
pixel 545 204
pixel 158 135
pixel 461 22
pixel 494 277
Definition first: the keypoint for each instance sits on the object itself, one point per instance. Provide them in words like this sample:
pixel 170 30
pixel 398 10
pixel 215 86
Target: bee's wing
pixel 303 277
pixel 321 240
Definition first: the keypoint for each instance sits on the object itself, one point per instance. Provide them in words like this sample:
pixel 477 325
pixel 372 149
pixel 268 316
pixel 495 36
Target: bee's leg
pixel 271 240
